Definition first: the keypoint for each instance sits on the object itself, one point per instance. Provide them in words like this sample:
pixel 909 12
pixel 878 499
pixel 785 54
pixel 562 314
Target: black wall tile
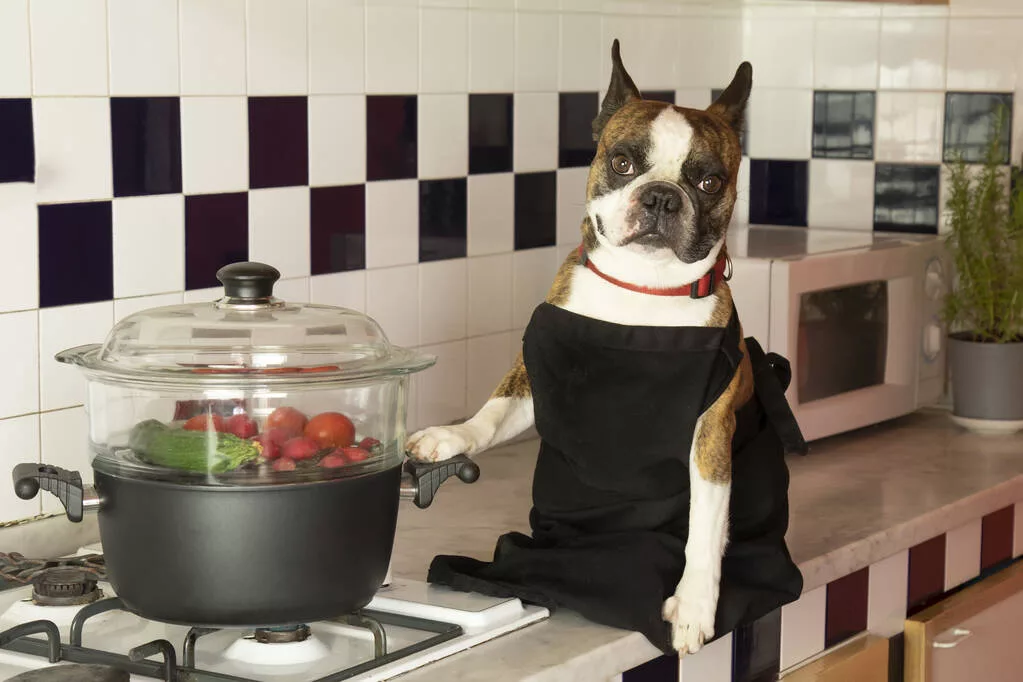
pixel 970 120
pixel 926 573
pixel 535 210
pixel 216 234
pixel 778 192
pixel 145 133
pixel 846 607
pixel 660 95
pixel 442 219
pixel 278 142
pixel 756 649
pixel 391 137
pixel 491 125
pixel 17 144
pixel 996 534
pixel 337 223
pixel 76 253
pixel 576 111
pixel 906 198
pixel 843 125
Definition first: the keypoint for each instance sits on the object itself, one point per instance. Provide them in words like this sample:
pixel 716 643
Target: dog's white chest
pixel 594 297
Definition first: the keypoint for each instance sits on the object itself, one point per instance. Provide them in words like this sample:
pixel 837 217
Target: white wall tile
pixel 294 289
pixel 886 595
pixel 19 259
pixel 392 49
pixel 711 51
pixel 337 140
pixel 802 627
pixel 532 273
pixel 841 194
pixel 214 144
pixel 780 124
pixel 909 126
pixel 571 204
pixel 16 76
pixel 442 301
pixel 202 295
pixel 984 54
pixel 337 46
pixel 846 53
pixel 72 145
pixel 62 328
pixel 20 437
pixel 1002 8
pixel 64 442
pixel 712 663
pixel 740 212
pixel 535 132
pixel 149 245
pixel 279 229
pixel 392 223
pixel 581 52
pixel 487 365
pixel 491 213
pixel 342 289
pixel 649 46
pixel 693 98
pixel 69 47
pixel 442 387
pixel 143 47
pixel 536 52
pixel 443 50
pixel 392 299
pixel 913 52
pixel 490 294
pixel 123 307
pixel 276 42
pixel 491 51
pixel 212 47
pixel 20 334
pixel 443 140
pixel 791 67
pixel 962 554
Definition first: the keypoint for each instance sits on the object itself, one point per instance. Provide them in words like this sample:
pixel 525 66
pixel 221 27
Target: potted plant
pixel 984 307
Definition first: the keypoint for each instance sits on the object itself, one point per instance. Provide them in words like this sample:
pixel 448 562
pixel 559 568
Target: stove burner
pixel 280 635
pixel 64 586
pixel 73 673
pixel 17 569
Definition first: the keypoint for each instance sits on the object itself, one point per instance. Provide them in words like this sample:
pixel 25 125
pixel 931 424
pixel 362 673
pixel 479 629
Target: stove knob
pixel 934 340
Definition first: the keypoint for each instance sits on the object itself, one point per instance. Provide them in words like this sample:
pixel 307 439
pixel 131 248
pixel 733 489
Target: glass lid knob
pixel 248 282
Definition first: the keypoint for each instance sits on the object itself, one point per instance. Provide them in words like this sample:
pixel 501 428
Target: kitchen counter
pixel 855 499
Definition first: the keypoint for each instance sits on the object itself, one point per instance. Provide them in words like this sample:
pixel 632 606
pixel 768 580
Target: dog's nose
pixel 661 199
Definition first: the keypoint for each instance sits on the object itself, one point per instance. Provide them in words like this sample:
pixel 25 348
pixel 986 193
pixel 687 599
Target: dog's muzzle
pixel 661 198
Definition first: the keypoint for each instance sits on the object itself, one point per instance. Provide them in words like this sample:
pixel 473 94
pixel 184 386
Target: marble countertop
pixel 854 500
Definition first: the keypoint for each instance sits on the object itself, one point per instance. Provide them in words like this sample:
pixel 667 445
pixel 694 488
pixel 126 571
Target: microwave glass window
pixel 843 339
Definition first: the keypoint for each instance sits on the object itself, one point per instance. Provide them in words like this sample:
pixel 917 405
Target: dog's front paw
pixel 691 611
pixel 439 443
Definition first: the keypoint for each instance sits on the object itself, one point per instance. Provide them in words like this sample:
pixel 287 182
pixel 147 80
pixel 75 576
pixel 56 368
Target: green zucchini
pixel 199 451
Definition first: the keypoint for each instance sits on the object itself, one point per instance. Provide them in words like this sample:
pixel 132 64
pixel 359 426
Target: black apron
pixel 616 407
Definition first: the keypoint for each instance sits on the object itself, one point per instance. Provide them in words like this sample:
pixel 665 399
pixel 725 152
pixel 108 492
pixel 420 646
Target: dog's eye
pixel 710 184
pixel 621 165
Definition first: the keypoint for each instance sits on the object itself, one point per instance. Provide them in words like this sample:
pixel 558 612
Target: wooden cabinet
pixel 863 659
pixel 972 636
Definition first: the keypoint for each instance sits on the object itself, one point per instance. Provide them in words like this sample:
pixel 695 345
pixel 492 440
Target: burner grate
pixel 15 568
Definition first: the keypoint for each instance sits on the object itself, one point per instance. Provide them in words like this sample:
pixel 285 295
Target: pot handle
pixel 66 485
pixel 420 480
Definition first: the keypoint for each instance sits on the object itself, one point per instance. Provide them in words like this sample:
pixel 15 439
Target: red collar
pixel 701 288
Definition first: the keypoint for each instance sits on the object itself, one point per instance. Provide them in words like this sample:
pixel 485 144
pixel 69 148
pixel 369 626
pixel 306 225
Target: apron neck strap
pixel 701 288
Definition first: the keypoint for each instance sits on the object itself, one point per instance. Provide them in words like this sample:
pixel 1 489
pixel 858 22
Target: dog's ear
pixel 731 104
pixel 620 92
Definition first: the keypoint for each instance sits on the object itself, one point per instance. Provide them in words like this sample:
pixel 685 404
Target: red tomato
pixel 334 460
pixel 201 422
pixel 300 448
pixel 331 430
pixel 368 443
pixel 355 454
pixel 288 419
pixel 241 426
pixel 283 464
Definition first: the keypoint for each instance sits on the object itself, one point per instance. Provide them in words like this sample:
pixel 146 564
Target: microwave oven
pixel 857 315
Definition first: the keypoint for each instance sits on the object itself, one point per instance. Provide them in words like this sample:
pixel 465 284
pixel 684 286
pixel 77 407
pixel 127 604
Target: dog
pixel 659 199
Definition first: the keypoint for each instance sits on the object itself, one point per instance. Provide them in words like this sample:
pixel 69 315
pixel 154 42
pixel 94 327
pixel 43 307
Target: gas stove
pixel 61 620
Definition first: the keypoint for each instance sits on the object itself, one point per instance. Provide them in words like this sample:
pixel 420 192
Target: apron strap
pixel 771 376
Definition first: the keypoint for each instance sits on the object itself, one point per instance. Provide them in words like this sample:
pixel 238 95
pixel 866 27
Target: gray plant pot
pixel 987 384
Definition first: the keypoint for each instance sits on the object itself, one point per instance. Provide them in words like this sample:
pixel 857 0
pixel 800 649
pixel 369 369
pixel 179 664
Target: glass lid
pixel 246 335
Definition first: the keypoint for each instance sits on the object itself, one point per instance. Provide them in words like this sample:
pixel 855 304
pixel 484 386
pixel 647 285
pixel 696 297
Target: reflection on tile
pixel 337 221
pixel 744 136
pixel 576 111
pixel 391 135
pixel 906 198
pixel 778 192
pixel 216 234
pixel 18 160
pixel 278 142
pixel 756 649
pixel 970 121
pixel 909 126
pixel 926 573
pixel 535 210
pixel 843 125
pixel 913 52
pixel 146 138
pixel 76 253
pixel 491 120
pixel 846 613
pixel 442 219
pixel 996 537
